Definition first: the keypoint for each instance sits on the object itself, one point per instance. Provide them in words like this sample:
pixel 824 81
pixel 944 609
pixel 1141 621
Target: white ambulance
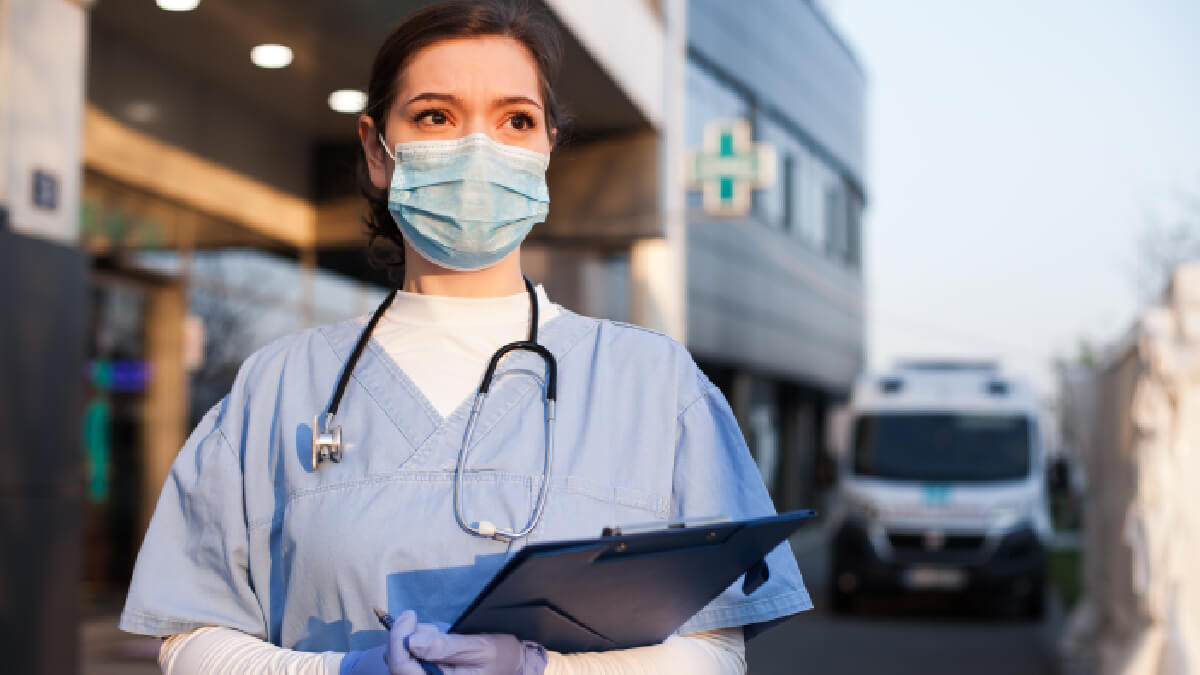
pixel 943 486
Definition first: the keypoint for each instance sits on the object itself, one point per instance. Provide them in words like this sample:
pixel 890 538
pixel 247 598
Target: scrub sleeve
pixel 715 476
pixel 193 567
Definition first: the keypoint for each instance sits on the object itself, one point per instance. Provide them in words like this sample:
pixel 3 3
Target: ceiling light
pixel 347 101
pixel 271 56
pixel 178 5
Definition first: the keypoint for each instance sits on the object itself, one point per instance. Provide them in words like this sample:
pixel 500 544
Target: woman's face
pixel 457 87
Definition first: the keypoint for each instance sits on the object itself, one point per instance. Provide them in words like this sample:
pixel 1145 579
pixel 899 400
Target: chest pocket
pixel 395 539
pixel 507 500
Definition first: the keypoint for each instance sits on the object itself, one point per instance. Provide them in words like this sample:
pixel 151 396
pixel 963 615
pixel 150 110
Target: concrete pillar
pixel 5 116
pixel 658 268
pixel 43 287
pixel 42 47
pixel 43 284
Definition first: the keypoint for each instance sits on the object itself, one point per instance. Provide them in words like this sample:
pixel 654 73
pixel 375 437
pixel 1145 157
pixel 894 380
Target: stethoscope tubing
pixel 327 439
pixel 486 529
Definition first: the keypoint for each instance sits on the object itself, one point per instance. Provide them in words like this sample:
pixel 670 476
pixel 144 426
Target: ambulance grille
pixel 951 542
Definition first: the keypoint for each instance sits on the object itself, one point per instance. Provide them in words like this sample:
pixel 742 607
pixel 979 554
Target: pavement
pixel 930 635
pixel 907 637
pixel 108 651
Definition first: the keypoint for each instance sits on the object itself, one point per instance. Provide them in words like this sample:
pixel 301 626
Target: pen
pixel 384 618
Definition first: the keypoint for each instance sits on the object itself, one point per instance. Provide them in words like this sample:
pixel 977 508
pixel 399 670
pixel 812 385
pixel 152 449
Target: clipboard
pixel 623 589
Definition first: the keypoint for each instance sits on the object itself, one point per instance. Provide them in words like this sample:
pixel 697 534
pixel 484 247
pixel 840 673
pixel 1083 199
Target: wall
pixel 41 106
pixel 1141 610
pixel 761 301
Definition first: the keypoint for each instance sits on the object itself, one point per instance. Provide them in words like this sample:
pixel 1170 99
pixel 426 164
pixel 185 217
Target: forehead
pixel 492 65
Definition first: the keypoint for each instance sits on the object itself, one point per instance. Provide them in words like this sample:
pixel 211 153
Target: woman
pixel 257 561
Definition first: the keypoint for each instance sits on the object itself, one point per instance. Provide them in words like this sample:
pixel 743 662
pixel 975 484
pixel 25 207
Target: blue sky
pixel 1017 151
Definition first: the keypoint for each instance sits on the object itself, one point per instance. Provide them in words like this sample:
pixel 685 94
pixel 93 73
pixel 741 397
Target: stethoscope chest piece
pixel 326 440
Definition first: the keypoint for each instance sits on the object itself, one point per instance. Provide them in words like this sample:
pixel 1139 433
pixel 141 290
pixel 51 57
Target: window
pixel 775 206
pixel 810 199
pixel 835 221
pixel 709 99
pixel 789 193
pixel 854 232
pixel 815 176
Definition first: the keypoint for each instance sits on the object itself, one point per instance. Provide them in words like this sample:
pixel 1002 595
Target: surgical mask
pixel 467 203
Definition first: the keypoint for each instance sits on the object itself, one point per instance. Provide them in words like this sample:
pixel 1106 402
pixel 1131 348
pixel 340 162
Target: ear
pixel 379 165
pixel 553 138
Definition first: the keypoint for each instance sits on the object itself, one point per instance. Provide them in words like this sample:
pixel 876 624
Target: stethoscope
pixel 327 438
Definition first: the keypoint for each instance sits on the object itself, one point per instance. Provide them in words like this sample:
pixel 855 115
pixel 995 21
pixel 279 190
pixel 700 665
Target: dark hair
pixel 446 21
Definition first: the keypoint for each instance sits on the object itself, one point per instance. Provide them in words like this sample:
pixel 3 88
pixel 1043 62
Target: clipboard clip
pixel 752 580
pixel 618 530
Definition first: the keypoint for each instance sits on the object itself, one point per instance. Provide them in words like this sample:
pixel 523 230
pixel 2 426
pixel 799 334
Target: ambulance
pixel 942 487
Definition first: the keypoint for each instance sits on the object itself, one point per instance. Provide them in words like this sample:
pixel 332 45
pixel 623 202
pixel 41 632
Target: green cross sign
pixel 729 166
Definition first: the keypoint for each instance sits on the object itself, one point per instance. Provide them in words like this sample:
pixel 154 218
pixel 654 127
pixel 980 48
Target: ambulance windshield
pixel 938 446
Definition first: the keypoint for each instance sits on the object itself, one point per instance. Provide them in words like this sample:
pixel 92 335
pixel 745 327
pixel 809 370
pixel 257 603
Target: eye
pixel 433 116
pixel 521 122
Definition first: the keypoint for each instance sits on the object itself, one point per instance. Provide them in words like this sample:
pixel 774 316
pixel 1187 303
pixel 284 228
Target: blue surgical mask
pixel 465 204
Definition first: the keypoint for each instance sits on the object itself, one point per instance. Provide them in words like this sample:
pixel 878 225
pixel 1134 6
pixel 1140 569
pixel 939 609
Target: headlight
pixel 1005 516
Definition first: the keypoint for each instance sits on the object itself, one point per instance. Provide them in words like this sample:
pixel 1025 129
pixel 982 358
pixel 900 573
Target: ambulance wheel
pixel 1035 604
pixel 843 591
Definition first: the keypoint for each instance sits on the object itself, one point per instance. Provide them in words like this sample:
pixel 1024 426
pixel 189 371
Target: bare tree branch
pixel 1165 245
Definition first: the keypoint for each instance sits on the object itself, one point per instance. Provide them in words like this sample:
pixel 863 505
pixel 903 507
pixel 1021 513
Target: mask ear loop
pixel 385 146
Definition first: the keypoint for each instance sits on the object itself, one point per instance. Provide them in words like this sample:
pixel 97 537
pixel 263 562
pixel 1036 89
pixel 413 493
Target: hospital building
pixel 169 203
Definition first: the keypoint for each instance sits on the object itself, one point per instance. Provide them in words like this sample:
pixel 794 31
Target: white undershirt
pixel 215 650
pixel 443 345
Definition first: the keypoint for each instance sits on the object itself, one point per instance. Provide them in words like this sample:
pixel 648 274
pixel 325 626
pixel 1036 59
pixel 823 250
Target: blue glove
pixel 365 662
pixel 476 654
pixel 391 658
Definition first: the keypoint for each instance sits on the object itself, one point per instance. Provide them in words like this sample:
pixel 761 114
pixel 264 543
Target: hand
pixel 391 658
pixel 476 654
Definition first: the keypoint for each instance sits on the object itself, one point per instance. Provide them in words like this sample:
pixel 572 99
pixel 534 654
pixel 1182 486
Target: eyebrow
pixel 510 100
pixel 454 100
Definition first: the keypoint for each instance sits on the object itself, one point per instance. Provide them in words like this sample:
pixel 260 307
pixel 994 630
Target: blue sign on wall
pixel 45 190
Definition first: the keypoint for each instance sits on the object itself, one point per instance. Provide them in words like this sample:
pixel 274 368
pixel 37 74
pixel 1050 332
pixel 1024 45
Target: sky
pixel 1017 152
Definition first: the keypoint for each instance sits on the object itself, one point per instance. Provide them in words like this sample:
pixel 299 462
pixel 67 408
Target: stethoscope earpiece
pixel 326 440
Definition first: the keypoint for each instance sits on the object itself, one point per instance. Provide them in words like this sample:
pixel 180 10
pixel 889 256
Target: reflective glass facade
pixel 810 199
pixel 775 298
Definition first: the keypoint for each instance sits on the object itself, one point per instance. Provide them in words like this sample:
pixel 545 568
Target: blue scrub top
pixel 247 535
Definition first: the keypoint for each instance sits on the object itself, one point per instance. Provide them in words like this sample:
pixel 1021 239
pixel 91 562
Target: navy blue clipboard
pixel 623 590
